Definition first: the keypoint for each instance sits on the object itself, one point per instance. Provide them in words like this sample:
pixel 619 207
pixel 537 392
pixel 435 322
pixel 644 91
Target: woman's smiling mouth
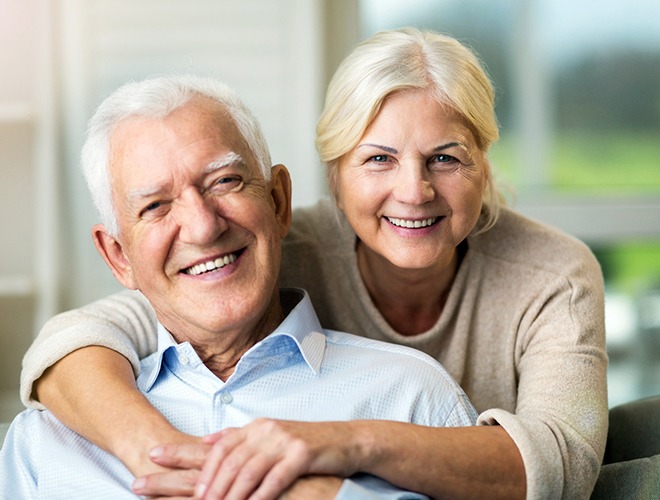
pixel 412 224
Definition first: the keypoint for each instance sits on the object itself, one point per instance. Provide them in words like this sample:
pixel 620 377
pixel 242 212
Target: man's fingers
pixel 180 456
pixel 168 484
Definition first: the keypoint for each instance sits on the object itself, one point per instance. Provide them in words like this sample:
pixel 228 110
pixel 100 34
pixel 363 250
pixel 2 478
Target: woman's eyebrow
pixel 449 145
pixel 387 149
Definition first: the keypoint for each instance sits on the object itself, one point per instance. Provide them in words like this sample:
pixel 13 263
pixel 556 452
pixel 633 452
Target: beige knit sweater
pixel 522 331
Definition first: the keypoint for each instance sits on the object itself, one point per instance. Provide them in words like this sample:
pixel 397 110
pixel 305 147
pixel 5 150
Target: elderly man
pixel 193 216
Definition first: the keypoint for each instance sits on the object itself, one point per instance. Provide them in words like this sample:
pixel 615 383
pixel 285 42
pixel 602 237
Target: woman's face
pixel 412 187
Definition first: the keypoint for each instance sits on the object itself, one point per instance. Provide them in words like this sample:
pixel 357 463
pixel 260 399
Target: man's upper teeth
pixel 412 223
pixel 211 265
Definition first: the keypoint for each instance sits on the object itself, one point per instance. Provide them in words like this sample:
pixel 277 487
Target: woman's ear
pixel 332 176
pixel 113 254
pixel 281 196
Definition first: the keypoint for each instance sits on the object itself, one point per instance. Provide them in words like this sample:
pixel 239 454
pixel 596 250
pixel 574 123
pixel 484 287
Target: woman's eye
pixel 444 158
pixel 379 158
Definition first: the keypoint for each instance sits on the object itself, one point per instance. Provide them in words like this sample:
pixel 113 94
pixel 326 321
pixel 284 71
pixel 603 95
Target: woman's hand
pixel 180 464
pixel 263 459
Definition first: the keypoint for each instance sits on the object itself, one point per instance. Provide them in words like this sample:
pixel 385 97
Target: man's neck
pixel 221 351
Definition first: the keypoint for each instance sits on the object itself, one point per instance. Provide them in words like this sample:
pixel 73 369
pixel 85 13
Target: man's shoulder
pixel 415 377
pixel 362 346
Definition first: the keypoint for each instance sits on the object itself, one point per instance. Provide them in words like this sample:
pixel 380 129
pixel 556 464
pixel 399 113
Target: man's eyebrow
pixel 137 194
pixel 224 161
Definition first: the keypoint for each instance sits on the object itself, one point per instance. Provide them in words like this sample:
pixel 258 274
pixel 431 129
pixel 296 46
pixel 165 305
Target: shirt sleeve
pixel 367 487
pixel 16 481
pixel 123 322
pixel 560 422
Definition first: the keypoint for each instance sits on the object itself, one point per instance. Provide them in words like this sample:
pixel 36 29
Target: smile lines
pixel 412 224
pixel 211 265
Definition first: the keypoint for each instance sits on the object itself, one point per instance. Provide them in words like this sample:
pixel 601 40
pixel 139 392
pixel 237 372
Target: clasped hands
pixel 263 460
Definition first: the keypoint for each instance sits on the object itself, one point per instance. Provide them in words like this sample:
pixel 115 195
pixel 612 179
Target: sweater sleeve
pixel 560 422
pixel 123 322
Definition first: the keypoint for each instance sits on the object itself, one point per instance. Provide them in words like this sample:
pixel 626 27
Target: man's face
pixel 199 228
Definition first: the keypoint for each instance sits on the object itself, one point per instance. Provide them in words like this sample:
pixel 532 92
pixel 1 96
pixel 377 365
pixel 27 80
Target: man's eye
pixel 154 205
pixel 227 183
pixel 153 209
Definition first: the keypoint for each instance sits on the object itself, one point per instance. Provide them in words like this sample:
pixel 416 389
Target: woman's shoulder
pixel 318 239
pixel 517 238
pixel 319 226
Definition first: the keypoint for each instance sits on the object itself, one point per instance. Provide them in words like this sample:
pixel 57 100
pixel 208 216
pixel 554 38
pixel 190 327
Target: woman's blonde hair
pixel 401 59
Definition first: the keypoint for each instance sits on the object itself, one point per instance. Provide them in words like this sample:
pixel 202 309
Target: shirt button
pixel 183 359
pixel 226 398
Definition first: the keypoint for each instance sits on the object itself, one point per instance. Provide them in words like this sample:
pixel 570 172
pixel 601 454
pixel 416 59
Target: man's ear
pixel 113 254
pixel 281 195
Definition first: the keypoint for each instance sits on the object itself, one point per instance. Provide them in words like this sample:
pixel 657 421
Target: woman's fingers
pixel 181 456
pixel 262 456
pixel 221 466
pixel 262 459
pixel 179 483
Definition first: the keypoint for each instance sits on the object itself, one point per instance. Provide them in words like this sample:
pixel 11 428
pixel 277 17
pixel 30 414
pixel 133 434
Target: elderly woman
pixel 420 253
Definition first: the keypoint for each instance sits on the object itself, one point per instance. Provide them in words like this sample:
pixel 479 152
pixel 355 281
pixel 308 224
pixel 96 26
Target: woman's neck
pixel 410 300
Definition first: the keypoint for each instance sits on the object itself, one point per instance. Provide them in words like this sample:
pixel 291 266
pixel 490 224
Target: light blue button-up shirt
pixel 299 372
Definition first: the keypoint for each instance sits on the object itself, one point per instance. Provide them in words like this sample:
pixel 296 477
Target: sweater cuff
pixel 538 448
pixel 46 352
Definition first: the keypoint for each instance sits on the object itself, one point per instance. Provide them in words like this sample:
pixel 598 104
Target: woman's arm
pixel 62 372
pixel 121 421
pixel 446 462
pixel 123 322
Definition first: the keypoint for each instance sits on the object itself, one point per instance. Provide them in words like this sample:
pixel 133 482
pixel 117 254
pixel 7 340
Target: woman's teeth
pixel 211 265
pixel 413 224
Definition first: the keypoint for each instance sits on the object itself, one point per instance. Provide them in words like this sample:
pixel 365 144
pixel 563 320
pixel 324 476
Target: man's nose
pixel 199 219
pixel 412 184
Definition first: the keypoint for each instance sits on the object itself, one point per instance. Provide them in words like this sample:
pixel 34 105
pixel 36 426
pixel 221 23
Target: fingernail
pixel 200 490
pixel 156 452
pixel 138 484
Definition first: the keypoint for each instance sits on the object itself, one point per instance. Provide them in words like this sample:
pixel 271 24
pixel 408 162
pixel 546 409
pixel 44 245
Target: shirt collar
pixel 301 325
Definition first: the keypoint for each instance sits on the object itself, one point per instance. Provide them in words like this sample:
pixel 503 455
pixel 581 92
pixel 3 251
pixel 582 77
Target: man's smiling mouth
pixel 211 265
pixel 412 224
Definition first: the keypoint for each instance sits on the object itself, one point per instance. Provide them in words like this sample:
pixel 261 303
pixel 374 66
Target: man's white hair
pixel 156 98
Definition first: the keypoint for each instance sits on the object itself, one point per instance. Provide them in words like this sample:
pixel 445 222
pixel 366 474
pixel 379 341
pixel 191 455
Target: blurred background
pixel 578 99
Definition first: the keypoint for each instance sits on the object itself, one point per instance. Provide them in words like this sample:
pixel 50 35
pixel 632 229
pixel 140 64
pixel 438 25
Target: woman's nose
pixel 413 186
pixel 200 222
